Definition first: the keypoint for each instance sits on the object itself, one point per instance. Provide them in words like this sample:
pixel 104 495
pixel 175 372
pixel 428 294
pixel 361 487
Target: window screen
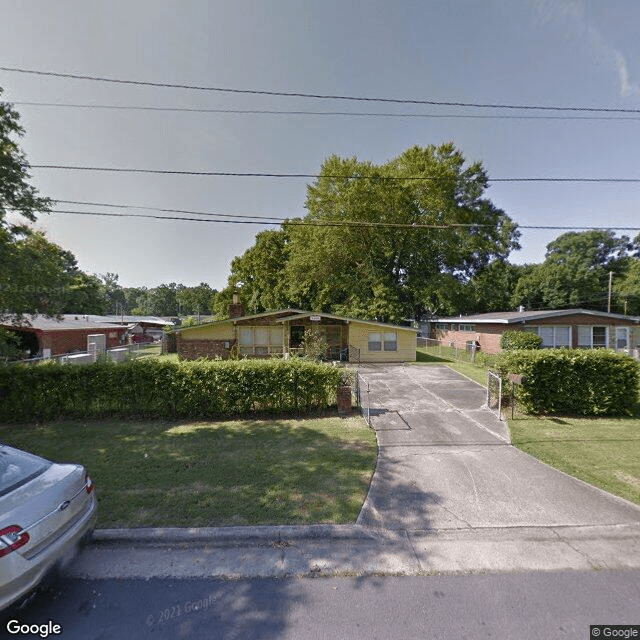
pixel 390 341
pixel 375 342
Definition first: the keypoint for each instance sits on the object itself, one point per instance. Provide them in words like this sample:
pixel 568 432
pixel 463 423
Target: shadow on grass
pixel 218 473
pixel 422 356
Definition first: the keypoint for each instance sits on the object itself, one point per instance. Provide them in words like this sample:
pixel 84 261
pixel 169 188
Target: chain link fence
pixel 362 394
pixel 463 351
pixel 117 354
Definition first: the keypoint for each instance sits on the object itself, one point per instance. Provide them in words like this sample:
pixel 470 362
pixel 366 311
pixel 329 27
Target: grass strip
pixel 604 452
pixel 193 474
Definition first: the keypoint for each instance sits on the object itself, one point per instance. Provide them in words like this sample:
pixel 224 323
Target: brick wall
pixel 488 336
pixel 65 341
pixel 194 349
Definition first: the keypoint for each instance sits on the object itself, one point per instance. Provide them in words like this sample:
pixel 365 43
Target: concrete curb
pixel 242 535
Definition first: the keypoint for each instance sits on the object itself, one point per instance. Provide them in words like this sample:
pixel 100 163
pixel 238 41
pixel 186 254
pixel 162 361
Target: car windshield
pixel 18 467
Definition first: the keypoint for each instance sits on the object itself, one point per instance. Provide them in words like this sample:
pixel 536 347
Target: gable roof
pixel 522 317
pixel 289 315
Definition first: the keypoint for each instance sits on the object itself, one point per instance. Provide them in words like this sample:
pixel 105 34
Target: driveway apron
pixel 445 462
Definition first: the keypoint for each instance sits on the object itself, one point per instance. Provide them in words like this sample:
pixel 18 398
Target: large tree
pixel 260 273
pixel 41 277
pixel 19 205
pixel 490 289
pixel 575 272
pixel 347 256
pixel 196 300
pixel 626 290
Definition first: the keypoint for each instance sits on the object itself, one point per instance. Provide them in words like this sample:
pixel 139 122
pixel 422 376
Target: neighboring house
pixel 140 328
pixel 50 337
pixel 576 328
pixel 280 333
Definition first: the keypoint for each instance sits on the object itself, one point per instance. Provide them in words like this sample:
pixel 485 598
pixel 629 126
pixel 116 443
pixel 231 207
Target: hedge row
pixel 573 382
pixel 160 389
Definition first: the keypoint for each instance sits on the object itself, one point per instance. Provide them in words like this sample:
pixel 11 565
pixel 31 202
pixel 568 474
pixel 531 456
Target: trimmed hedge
pixel 513 340
pixel 573 381
pixel 153 388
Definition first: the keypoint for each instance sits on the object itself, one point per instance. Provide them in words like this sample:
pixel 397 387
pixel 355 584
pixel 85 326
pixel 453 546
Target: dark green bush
pixel 573 381
pixel 511 340
pixel 161 389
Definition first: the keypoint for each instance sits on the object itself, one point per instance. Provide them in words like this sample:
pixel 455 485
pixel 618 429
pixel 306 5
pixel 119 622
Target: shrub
pixel 573 381
pixel 511 340
pixel 486 360
pixel 162 389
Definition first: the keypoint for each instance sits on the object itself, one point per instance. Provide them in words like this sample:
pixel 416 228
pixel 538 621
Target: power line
pixel 318 113
pixel 281 219
pixel 316 96
pixel 231 218
pixel 297 222
pixel 249 174
pixel 186 211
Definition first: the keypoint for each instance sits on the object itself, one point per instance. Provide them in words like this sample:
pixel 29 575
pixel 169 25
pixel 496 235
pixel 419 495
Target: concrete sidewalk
pixel 449 495
pixel 348 550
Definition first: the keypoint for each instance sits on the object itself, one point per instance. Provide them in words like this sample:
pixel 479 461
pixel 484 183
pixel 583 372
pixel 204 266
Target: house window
pixel 333 334
pixel 260 341
pixel 592 337
pixel 467 328
pixel 555 336
pixel 390 341
pixel 375 342
pixel 387 341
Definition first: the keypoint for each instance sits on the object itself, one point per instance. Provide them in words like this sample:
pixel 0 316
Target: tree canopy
pixel 21 199
pixel 575 272
pixel 385 242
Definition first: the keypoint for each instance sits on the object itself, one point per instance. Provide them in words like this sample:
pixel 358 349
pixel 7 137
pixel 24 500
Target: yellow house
pixel 280 333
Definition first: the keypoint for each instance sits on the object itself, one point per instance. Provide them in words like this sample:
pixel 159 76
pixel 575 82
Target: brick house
pixel 574 328
pixel 280 333
pixel 51 337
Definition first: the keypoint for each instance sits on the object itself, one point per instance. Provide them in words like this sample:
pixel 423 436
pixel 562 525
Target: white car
pixel 46 511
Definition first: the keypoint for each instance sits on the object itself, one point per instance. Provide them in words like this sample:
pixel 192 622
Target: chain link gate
pixel 363 399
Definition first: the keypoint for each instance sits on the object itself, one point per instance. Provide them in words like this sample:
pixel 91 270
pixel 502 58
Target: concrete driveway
pixel 445 463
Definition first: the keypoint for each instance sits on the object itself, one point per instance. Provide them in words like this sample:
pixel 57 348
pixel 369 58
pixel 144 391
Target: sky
pixel 561 53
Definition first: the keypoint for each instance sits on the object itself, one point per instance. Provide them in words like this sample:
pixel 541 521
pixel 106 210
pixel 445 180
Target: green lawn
pixel 430 356
pixel 241 472
pixel 604 452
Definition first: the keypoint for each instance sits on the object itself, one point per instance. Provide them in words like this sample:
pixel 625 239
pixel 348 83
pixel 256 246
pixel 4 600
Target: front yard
pixel 604 452
pixel 195 474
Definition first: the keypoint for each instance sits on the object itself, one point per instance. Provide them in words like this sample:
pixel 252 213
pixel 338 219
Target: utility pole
pixel 609 300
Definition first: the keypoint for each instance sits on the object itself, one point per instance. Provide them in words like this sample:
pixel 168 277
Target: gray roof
pixel 516 317
pixel 43 323
pixel 119 319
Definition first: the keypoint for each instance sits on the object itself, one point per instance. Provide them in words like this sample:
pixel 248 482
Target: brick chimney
pixel 236 308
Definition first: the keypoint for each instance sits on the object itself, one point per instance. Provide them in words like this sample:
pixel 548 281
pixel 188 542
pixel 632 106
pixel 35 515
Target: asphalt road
pixel 524 605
